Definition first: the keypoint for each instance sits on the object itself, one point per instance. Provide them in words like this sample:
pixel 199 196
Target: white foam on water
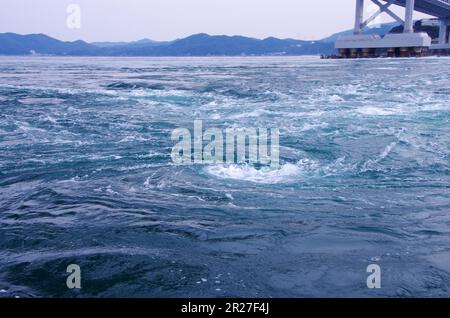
pixel 335 98
pixel 286 173
pixel 387 150
pixel 383 155
pixel 310 126
pixel 48 118
pixel 104 157
pixel 137 167
pixel 40 101
pixel 255 113
pixel 157 93
pixel 435 106
pixel 349 89
pixel 61 90
pixel 312 113
pixel 131 138
pixel 375 111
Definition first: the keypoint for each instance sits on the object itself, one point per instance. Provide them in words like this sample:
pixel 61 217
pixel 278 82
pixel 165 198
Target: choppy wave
pixel 133 86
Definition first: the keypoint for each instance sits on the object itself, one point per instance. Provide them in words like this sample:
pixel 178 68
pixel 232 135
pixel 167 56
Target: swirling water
pixel 86 178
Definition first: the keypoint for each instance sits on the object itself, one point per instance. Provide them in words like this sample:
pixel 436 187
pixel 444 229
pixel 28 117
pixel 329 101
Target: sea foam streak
pixel 286 173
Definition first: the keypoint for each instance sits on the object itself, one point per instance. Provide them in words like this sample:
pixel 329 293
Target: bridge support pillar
pixel 359 17
pixel 443 34
pixel 409 23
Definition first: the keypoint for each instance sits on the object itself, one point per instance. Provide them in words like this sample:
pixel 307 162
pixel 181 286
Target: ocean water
pixel 86 178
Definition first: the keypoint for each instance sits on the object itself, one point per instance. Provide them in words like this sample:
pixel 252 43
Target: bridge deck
pixel 436 8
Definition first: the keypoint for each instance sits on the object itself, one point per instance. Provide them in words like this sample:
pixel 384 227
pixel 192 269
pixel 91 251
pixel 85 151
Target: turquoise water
pixel 86 178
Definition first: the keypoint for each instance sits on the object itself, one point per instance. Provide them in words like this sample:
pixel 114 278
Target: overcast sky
pixel 127 20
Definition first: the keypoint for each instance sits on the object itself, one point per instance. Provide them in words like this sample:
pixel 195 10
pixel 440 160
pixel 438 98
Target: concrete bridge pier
pixel 363 45
pixel 359 17
pixel 443 46
pixel 409 12
pixel 443 34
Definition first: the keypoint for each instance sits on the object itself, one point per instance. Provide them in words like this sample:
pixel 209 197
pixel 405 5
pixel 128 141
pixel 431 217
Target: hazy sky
pixel 126 20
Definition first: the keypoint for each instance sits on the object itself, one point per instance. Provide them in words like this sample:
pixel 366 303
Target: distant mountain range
pixel 195 45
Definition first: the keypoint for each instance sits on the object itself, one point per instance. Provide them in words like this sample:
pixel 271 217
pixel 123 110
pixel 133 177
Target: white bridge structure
pixel 406 44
